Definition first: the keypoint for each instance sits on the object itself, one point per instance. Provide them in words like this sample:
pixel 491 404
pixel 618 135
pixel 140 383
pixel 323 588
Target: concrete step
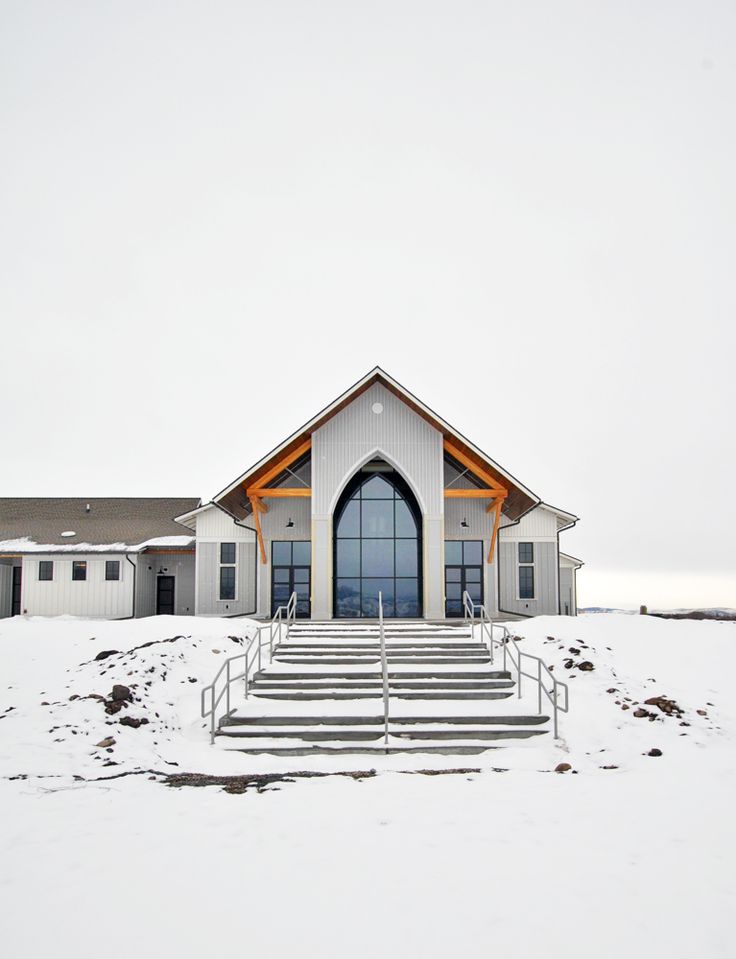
pixel 441 683
pixel 376 720
pixel 269 675
pixel 378 694
pixel 318 648
pixel 441 749
pixel 372 658
pixel 367 735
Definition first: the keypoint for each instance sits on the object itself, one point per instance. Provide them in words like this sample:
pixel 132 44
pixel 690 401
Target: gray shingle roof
pixel 128 520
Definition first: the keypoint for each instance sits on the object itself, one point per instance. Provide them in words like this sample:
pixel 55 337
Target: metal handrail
pixel 274 627
pixel 512 652
pixel 384 667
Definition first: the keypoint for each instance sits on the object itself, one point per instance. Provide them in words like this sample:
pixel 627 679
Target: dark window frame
pixel 111 564
pixel 228 569
pixel 527 583
pixel 401 493
pixel 79 566
pixel 304 606
pixel 463 567
pixel 45 566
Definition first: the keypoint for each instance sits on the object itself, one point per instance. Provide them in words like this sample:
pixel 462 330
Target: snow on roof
pixel 38 524
pixel 25 545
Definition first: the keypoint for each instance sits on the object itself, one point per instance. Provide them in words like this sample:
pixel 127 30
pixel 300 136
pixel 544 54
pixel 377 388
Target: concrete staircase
pixel 323 694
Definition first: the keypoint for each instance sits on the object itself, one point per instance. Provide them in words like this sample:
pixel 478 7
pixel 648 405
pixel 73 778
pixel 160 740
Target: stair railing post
pixel 227 688
pixel 384 669
pixel 212 716
pixel 539 687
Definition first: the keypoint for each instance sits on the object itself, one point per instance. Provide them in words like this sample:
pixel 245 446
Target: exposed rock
pixel 654 752
pixel 625 706
pixel 569 664
pixel 574 651
pixel 609 767
pixel 72 698
pixel 113 707
pixel 612 690
pixel 106 742
pixel 586 666
pixel 120 693
pixel 668 706
pixel 641 713
pixel 701 712
pixel 105 653
pixel 563 767
pixel 133 722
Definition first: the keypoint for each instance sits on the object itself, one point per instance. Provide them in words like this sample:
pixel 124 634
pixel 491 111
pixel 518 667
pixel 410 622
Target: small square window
pixel 112 569
pixel 227 553
pixel 45 569
pixel 79 570
pixel 526 552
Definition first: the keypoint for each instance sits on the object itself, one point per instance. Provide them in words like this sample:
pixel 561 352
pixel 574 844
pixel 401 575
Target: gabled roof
pixel 572 559
pixel 564 519
pixel 520 498
pixel 28 523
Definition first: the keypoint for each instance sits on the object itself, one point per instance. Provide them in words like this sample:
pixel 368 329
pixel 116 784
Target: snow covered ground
pixel 629 852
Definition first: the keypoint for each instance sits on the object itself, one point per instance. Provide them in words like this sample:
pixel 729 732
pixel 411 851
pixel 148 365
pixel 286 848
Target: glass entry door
pixel 463 571
pixel 291 572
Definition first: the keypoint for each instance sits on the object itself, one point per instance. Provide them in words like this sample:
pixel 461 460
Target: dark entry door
pixel 165 595
pixel 463 571
pixel 17 574
pixel 291 565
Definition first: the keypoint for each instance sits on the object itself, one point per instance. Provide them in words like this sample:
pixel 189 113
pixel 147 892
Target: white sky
pixel 215 217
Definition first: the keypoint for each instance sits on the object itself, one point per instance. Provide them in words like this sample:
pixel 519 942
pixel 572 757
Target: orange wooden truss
pixel 493 491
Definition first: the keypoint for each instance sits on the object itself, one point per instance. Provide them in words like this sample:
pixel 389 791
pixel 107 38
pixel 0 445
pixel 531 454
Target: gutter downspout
pixel 135 571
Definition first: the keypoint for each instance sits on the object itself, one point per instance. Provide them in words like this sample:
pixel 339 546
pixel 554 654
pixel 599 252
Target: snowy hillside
pixel 629 850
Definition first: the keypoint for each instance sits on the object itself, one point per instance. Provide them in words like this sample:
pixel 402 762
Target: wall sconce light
pixel 290 523
pixel 464 523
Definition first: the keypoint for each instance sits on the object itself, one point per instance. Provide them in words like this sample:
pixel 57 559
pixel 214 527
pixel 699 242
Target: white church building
pixel 376 493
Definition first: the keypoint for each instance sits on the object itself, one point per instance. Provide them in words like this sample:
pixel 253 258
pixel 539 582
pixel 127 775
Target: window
pixel 526 570
pixel 45 569
pixel 228 565
pixel 79 570
pixel 377 547
pixel 112 569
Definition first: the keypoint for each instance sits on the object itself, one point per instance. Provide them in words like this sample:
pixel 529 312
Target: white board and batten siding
pixel 346 442
pixel 214 526
pixel 539 527
pixel 179 565
pixel 93 597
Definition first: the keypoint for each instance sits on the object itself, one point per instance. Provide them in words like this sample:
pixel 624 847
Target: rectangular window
pixel 228 566
pixel 112 569
pixel 526 570
pixel 526 552
pixel 227 582
pixel 45 569
pixel 79 570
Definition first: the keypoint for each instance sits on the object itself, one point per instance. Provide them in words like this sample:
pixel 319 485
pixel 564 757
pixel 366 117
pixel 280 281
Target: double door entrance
pixel 463 572
pixel 291 565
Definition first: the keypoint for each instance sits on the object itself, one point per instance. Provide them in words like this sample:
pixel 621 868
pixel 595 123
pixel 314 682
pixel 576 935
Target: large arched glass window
pixel 377 546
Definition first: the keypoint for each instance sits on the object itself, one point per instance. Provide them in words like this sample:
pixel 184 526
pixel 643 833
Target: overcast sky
pixel 215 217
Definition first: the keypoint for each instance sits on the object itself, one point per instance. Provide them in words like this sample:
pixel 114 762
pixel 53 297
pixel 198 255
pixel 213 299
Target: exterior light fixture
pixel 464 523
pixel 290 523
